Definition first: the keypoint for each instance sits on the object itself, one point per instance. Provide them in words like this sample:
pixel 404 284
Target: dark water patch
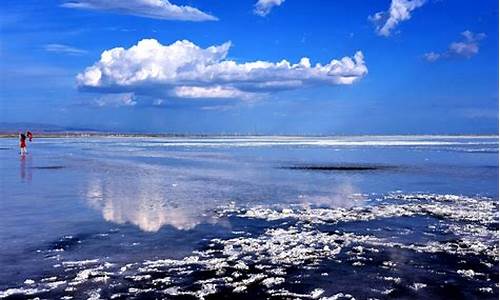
pixel 5 148
pixel 48 167
pixel 71 242
pixel 403 229
pixel 399 273
pixel 68 242
pixel 338 167
pixel 489 167
pixel 492 226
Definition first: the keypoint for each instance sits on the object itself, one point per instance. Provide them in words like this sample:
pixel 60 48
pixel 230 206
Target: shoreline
pixel 173 135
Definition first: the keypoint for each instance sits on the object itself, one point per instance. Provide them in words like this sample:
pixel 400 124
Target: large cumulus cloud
pixel 185 70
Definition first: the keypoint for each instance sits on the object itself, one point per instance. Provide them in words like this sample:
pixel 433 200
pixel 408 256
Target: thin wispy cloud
pixel 399 11
pixel 114 100
pixel 466 48
pixel 184 70
pixel 479 113
pixel 264 7
pixel 65 49
pixel 155 9
pixel 217 92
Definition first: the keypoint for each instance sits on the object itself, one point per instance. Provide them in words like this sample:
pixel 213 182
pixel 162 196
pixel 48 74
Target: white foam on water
pixel 80 262
pixel 486 290
pixel 22 291
pixel 339 296
pixel 469 273
pixel 417 286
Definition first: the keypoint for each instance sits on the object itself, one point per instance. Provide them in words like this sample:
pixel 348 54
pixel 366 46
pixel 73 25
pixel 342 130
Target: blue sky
pixel 426 66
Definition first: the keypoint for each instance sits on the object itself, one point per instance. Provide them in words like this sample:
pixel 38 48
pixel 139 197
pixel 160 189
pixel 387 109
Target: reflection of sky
pixel 146 183
pixel 146 203
pixel 183 196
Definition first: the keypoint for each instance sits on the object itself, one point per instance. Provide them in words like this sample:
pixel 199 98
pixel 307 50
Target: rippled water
pixel 250 218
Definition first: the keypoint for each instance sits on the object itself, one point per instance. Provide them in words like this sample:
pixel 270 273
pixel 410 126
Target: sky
pixel 252 66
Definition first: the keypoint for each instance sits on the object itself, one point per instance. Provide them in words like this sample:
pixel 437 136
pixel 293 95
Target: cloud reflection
pixel 344 194
pixel 183 196
pixel 148 202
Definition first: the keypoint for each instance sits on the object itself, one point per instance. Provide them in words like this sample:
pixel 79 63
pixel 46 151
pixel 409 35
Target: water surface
pixel 250 217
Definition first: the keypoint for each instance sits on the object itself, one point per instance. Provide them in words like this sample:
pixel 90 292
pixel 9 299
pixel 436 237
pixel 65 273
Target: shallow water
pixel 250 217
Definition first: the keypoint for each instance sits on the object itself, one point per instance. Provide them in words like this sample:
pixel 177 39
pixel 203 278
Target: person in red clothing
pixel 29 135
pixel 22 143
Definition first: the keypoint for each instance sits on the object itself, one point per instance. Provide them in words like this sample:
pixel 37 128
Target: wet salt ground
pixel 130 218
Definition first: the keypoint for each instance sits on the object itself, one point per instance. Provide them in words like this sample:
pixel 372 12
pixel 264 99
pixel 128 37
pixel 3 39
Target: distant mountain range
pixel 15 127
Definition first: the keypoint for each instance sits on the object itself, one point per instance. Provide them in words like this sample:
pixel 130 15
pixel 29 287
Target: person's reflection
pixel 22 168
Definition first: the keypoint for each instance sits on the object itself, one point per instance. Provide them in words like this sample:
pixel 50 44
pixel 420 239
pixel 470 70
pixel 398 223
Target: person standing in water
pixel 22 143
pixel 29 135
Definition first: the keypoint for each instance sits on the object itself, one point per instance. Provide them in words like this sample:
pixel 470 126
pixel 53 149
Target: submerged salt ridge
pixel 482 143
pixel 442 142
pixel 306 252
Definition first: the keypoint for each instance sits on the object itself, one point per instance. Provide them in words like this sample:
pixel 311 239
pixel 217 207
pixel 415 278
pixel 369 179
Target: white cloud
pixel 264 7
pixel 400 10
pixel 464 49
pixel 432 56
pixel 115 100
pixel 184 70
pixel 60 48
pixel 155 9
pixel 217 92
pixel 468 47
pixel 158 102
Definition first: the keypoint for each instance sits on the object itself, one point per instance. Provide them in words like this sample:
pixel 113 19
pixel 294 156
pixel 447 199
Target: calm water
pixel 250 218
